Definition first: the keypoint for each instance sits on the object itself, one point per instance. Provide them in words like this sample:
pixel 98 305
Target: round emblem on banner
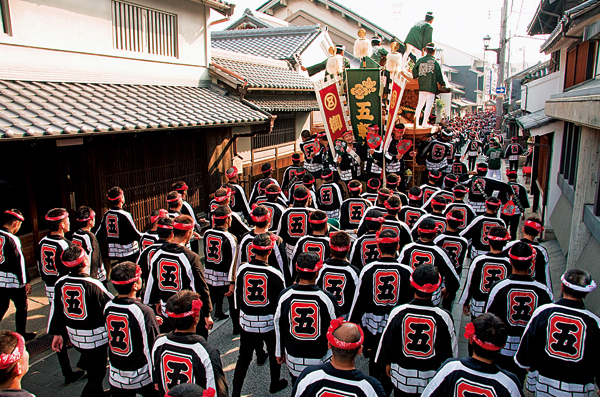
pixel 330 101
pixel 394 99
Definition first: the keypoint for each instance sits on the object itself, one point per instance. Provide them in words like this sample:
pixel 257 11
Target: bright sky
pixel 461 24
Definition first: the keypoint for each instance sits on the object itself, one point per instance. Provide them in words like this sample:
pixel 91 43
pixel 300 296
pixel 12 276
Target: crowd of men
pixel 317 272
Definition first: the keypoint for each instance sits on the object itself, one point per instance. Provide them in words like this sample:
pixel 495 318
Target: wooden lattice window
pixel 143 29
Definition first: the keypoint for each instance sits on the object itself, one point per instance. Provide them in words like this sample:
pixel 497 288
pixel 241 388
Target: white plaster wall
pixel 72 40
pixel 535 93
pixel 554 190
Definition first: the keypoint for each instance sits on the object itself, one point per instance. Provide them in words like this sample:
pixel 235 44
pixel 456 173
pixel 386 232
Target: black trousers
pixel 512 223
pixel 94 362
pixel 19 298
pixel 146 391
pixel 249 343
pixel 217 294
pixel 513 165
pixel 472 161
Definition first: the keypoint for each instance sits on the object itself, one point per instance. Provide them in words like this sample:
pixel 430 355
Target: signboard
pixel 364 101
pixel 331 108
pixel 500 90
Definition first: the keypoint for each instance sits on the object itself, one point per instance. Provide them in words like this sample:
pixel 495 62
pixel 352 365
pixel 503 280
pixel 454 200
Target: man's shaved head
pixel 347 332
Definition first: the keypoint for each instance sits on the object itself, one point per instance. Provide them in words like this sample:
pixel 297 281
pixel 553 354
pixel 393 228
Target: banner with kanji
pixel 396 93
pixel 364 101
pixel 332 109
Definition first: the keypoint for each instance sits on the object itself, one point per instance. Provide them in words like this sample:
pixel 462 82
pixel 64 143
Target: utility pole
pixel 501 58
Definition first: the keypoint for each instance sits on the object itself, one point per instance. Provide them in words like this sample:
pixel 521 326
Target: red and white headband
pixel 534 225
pixel 310 182
pixel 273 192
pixel 302 198
pixel 233 173
pixel 386 240
pixel 488 202
pixel 384 194
pixel 161 214
pixel 588 288
pixel 334 325
pixel 378 220
pixel 374 180
pixel 74 262
pixel 185 226
pixel 114 198
pixel 167 227
pixel 219 217
pixel 327 175
pixel 8 359
pixel 338 248
pixel 228 193
pixel 138 274
pixel 452 218
pixel 432 175
pixel 415 198
pixel 261 218
pixel 196 307
pixel 266 170
pixel 389 206
pixel 355 189
pixel 506 237
pixel 57 218
pixel 317 221
pixel 266 247
pixel 176 198
pixel 18 216
pixel 437 203
pixel 89 218
pixel 470 336
pixel 426 288
pixel 317 267
pixel 182 188
pixel 460 190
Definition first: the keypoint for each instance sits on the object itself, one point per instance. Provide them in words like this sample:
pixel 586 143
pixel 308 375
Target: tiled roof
pixel 275 43
pixel 261 76
pixel 285 103
pixel 534 120
pixel 256 20
pixel 31 109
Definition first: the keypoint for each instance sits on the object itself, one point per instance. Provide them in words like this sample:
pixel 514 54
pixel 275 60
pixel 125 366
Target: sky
pixel 461 23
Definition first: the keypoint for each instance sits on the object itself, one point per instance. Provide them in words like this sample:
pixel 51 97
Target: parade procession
pixel 312 197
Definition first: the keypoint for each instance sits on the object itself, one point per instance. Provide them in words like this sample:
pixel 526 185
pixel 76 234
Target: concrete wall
pixel 554 191
pixel 589 261
pixel 469 79
pixel 561 220
pixel 72 40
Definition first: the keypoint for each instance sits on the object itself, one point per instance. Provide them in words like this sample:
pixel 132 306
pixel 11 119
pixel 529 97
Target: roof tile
pixel 44 108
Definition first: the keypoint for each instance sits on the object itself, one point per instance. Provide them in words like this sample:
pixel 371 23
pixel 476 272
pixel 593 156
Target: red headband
pixel 431 175
pixel 174 199
pixel 233 173
pixel 57 218
pixel 274 192
pixel 470 336
pixel 165 227
pixel 8 359
pixel 317 221
pixel 426 288
pixel 185 226
pixel 534 225
pixel 503 238
pixel 460 190
pixel 455 179
pixel 196 306
pixel 450 217
pixel 339 249
pixel 415 198
pixel 89 218
pixel 384 194
pixel 355 189
pixel 327 175
pixel 75 262
pixel 523 258
pixel 335 324
pixel 386 240
pixel 302 198
pixel 218 199
pixel 18 216
pixel 427 231
pixel 161 214
pixel 482 168
pixel 311 181
pixel 114 198
pixel 138 274
pixel 488 202
pixel 389 206
pixel 369 184
pixel 261 218
pixel 511 172
pixel 266 247
pixel 317 267
pixel 435 202
pixel 182 187
pixel 220 217
pixel 379 220
pixel 349 132
pixel 266 170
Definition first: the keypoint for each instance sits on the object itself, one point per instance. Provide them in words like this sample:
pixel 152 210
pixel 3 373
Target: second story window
pixel 4 18
pixel 580 63
pixel 142 29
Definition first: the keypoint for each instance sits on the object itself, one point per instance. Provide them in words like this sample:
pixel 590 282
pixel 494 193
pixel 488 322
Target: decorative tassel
pixel 335 64
pixel 363 48
pixel 394 62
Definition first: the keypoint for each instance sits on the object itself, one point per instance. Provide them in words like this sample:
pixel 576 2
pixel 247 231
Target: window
pixel 570 153
pixel 4 18
pixel 284 131
pixel 580 63
pixel 597 201
pixel 143 29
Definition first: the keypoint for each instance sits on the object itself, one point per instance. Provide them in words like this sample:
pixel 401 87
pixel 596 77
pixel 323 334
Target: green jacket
pixel 429 73
pixel 378 53
pixel 495 158
pixel 420 35
pixel 314 69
